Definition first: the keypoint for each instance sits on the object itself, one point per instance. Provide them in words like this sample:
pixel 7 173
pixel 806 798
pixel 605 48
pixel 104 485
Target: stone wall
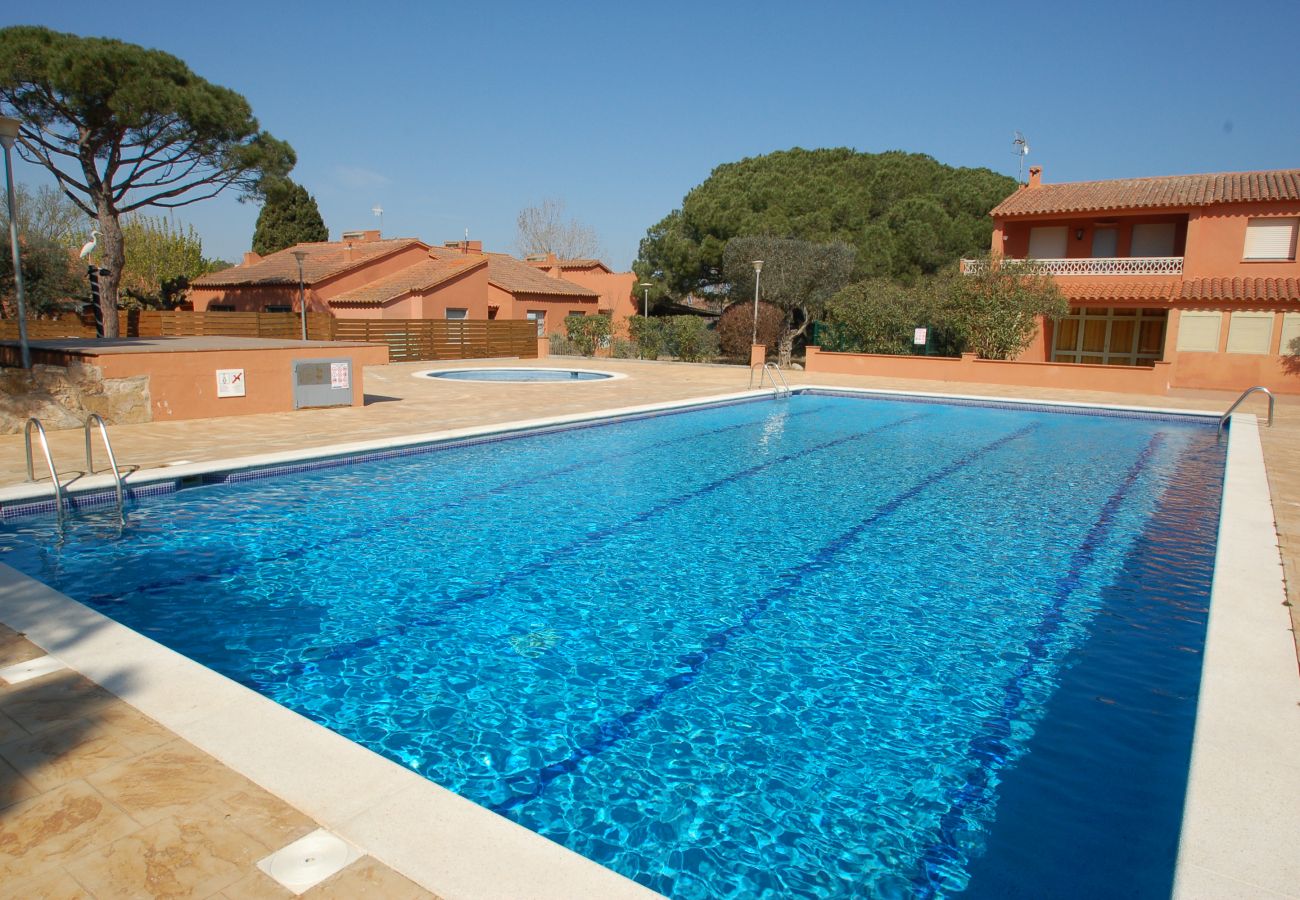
pixel 62 397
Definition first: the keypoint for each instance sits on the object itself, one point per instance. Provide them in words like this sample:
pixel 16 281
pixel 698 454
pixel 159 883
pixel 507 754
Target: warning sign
pixel 340 376
pixel 230 382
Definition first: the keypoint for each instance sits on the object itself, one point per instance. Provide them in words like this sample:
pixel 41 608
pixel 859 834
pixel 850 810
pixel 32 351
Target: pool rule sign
pixel 230 382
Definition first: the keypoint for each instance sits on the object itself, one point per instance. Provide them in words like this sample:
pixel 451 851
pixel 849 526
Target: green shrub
pixel 587 333
pixel 649 336
pixel 690 339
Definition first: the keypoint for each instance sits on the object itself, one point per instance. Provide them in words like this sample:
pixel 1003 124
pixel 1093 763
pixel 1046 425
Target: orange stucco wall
pixel 1012 237
pixel 1216 239
pixel 616 293
pixel 969 370
pixel 557 307
pixel 183 384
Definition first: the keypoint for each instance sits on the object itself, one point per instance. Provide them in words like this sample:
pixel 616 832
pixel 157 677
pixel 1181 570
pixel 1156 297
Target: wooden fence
pixel 407 339
pixel 410 339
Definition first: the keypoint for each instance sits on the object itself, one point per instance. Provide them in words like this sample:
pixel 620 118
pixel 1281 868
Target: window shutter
pixel 1156 239
pixel 1270 239
pixel 1048 243
pixel 1199 331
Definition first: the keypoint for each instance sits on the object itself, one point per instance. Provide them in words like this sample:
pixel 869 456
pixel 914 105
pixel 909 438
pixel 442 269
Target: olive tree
pixel 122 127
pixel 798 277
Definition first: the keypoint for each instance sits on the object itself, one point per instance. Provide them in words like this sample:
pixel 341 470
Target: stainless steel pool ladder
pixel 770 372
pixel 49 461
pixel 1223 419
pixel 97 419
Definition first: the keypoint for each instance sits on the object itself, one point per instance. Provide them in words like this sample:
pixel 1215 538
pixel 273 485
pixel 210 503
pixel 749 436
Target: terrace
pixel 181 796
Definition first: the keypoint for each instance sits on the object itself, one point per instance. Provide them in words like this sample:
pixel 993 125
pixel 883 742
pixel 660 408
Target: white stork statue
pixel 90 245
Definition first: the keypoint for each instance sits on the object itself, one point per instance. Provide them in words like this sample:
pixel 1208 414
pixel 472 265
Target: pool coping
pixel 395 815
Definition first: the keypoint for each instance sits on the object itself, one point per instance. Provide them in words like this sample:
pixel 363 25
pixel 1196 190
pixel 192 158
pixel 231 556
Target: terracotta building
pixel 1195 271
pixel 617 290
pixel 366 276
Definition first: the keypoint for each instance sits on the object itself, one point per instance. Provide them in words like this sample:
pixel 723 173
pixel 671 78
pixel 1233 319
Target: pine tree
pixel 289 216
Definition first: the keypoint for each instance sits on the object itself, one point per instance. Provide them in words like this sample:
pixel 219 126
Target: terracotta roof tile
pixel 519 277
pixel 324 260
pixel 1148 193
pixel 1191 289
pixel 1241 289
pixel 1097 289
pixel 418 277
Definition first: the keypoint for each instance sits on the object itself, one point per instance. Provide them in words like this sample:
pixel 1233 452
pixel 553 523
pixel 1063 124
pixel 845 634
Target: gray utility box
pixel 322 382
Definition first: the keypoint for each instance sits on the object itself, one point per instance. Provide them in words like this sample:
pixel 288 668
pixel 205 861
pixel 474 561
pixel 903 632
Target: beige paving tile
pixel 14 788
pixel 367 878
pixel 56 884
pixel 194 853
pixel 59 755
pixel 257 885
pixel 264 817
pixel 15 648
pixel 164 781
pixel 10 730
pixel 61 698
pixel 47 831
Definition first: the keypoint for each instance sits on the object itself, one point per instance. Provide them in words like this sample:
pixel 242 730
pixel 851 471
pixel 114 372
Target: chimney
pixel 349 255
pixel 250 257
pixel 1035 176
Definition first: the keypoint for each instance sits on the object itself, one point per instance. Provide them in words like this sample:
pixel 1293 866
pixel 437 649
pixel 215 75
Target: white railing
pixel 1107 265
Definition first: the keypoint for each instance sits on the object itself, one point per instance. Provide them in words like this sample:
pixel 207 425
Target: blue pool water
pixel 825 646
pixel 520 375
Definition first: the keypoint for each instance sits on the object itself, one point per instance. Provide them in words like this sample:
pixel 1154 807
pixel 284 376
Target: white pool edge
pixel 457 849
pixel 1242 813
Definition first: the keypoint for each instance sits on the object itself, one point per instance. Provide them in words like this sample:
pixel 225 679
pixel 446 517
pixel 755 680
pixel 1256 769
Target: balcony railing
pixel 1119 265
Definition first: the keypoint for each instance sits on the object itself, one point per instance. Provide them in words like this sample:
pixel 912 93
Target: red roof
pixel 324 260
pixel 1174 289
pixel 1241 289
pixel 419 277
pixel 1150 193
pixel 518 277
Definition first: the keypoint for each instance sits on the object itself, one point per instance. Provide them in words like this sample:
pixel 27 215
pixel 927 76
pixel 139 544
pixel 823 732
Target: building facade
pixel 365 276
pixel 1195 271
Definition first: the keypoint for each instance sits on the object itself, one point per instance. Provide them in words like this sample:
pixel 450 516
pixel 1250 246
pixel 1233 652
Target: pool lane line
pixel 612 732
pixel 367 531
pixel 483 592
pixel 988 750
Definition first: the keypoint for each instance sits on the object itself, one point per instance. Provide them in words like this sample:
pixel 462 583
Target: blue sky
pixel 454 116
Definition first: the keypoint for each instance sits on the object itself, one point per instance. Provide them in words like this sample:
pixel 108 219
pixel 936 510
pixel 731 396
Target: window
pixel 1199 331
pixel 539 316
pixel 277 307
pixel 221 307
pixel 1290 334
pixel 1270 239
pixel 1048 243
pixel 1105 243
pixel 457 314
pixel 1153 240
pixel 1111 337
pixel 1250 332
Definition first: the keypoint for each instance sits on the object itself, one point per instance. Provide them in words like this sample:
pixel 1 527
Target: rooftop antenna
pixel 1021 149
pixel 379 212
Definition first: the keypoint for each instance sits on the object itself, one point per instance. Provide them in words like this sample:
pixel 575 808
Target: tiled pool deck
pixel 98 799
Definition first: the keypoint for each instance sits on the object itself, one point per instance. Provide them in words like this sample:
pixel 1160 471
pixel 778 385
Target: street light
pixel 300 255
pixel 645 304
pixel 758 273
pixel 8 135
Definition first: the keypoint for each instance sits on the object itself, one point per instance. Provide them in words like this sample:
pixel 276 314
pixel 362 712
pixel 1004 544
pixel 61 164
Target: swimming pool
pixel 788 647
pixel 519 375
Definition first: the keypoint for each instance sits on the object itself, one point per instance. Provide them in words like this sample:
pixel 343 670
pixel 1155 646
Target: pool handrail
pixel 112 460
pixel 49 461
pixel 1223 419
pixel 773 373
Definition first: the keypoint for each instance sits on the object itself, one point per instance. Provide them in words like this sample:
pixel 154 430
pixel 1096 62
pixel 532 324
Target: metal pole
pixel 24 351
pixel 758 274
pixel 302 301
pixel 645 304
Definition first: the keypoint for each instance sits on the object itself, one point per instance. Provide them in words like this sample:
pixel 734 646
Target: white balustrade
pixel 1121 265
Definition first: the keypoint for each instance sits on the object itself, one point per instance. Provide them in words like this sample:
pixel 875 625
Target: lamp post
pixel 8 135
pixel 300 255
pixel 645 302
pixel 758 273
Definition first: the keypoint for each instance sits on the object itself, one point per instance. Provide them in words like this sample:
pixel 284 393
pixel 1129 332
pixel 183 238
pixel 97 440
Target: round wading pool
pixel 519 375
